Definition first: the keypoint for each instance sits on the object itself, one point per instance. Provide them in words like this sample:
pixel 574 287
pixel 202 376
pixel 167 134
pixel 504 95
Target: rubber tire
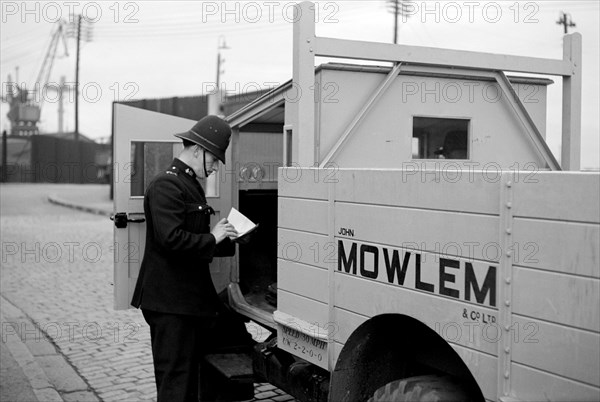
pixel 427 388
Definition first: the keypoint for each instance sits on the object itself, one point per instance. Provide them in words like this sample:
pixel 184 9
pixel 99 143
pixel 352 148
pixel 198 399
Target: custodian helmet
pixel 211 133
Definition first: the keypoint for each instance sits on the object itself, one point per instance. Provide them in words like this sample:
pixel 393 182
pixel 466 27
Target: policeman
pixel 174 288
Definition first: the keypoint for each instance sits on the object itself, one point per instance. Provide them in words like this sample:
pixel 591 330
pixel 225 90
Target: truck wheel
pixel 426 388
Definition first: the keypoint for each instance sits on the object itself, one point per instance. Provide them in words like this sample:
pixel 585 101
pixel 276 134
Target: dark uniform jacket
pixel 174 275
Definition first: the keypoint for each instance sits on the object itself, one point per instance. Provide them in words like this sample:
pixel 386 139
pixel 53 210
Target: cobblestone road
pixel 57 268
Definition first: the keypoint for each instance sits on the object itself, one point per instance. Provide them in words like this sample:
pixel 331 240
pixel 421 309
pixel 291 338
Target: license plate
pixel 309 348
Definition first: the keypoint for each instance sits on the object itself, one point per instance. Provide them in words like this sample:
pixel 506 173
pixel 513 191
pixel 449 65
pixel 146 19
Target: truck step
pixel 232 366
pixel 231 374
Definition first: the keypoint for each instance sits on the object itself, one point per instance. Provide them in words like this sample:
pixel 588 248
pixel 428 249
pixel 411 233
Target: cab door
pixel 144 146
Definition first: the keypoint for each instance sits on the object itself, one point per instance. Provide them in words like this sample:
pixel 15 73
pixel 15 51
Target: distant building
pixel 55 158
pixel 196 107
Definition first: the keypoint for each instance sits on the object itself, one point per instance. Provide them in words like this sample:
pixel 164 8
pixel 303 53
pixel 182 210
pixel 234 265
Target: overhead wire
pixel 159 26
pixel 186 25
pixel 29 48
pixel 18 55
pixel 179 33
pixel 8 45
pixel 32 31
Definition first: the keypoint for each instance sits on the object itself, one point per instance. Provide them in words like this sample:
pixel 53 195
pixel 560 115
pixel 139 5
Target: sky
pixel 157 49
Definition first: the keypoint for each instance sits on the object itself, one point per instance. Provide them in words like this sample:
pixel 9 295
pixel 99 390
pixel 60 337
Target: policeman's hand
pixel 222 230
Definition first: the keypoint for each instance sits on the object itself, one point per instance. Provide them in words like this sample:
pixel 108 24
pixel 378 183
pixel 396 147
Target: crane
pixel 46 68
pixel 24 113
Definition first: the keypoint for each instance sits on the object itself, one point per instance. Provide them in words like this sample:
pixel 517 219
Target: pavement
pixel 61 338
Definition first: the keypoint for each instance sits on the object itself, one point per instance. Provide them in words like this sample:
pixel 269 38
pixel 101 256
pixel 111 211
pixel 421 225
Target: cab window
pixel 440 138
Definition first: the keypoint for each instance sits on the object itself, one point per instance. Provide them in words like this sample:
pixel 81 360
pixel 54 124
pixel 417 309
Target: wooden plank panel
pixel 303 279
pixel 529 384
pixel 443 315
pixel 469 236
pixel 337 349
pixel 575 353
pixel 558 298
pixel 346 323
pixel 558 246
pixel 484 369
pixel 303 214
pixel 306 309
pixel 348 49
pixel 306 248
pixel 419 187
pixel 304 182
pixel 571 196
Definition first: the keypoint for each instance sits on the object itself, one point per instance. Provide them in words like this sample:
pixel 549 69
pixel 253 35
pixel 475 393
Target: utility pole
pixel 397 7
pixel 85 33
pixel 77 79
pixel 396 12
pixel 215 104
pixel 222 45
pixel 61 108
pixel 4 157
pixel 218 81
pixel 565 20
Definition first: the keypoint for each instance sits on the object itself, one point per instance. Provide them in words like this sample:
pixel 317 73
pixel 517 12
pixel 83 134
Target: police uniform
pixel 174 288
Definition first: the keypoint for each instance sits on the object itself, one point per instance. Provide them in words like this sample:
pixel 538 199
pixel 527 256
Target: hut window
pixel 440 138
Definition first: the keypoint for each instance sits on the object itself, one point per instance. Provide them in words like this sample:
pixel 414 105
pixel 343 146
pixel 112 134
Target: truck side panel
pixel 574 353
pixel 413 245
pixel 546 246
pixel 558 298
pixel 442 189
pixel 566 196
pixel 423 230
pixel 302 270
pixel 303 214
pixel 530 384
pixel 441 314
pixel 556 291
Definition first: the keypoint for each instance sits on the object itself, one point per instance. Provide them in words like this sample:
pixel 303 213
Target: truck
pixel 417 237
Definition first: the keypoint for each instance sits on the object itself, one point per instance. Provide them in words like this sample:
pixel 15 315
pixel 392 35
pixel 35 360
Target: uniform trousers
pixel 178 344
